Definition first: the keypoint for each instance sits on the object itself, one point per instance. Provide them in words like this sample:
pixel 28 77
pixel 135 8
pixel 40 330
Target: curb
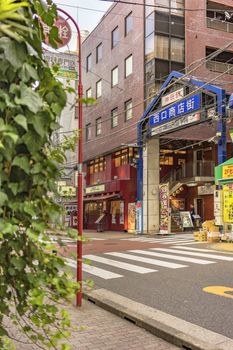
pixel 181 333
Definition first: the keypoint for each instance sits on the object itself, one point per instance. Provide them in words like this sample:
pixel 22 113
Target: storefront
pixel 182 136
pixel 114 210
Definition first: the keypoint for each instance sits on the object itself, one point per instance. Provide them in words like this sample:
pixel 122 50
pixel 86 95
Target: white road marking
pixel 195 249
pixel 173 257
pixel 181 244
pixel 119 264
pixel 147 260
pixel 212 256
pixel 176 242
pixel 107 275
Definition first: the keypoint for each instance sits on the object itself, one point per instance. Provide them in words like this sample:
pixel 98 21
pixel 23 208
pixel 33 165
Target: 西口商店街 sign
pixel 188 105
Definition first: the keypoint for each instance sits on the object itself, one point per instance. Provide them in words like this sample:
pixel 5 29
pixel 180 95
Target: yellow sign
pixel 227 205
pixel 94 189
pixel 227 171
pixel 67 191
pixel 219 290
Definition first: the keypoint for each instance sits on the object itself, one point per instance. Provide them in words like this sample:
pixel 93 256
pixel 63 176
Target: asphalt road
pixel 174 289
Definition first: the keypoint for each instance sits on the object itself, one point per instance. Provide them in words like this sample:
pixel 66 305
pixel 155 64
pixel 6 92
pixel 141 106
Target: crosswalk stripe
pixel 193 242
pixel 119 264
pixel 176 242
pixel 173 257
pixel 195 249
pixel 212 256
pixel 147 260
pixel 107 275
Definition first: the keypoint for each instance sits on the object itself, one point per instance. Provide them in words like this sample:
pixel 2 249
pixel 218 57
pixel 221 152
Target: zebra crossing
pixel 145 261
pixel 181 239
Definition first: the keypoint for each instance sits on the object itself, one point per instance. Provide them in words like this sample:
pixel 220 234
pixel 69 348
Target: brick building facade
pixel 126 59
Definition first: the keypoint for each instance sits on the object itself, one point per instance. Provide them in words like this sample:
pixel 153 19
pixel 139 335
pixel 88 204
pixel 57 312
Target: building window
pixel 88 93
pixel 124 157
pixel 128 110
pixel 99 53
pixel 88 131
pixel 128 23
pixel 222 63
pixel 98 126
pixel 177 7
pixel 114 76
pixel 162 47
pixel 114 115
pixel 97 166
pixel 128 66
pixel 150 24
pixel 89 62
pixel 177 50
pixel 150 47
pixel 99 89
pixel 115 37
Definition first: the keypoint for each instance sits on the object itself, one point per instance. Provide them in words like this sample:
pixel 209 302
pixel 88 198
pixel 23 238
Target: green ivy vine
pixel 32 280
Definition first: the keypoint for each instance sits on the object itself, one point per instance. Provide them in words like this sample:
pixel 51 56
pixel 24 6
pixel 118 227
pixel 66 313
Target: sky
pixel 87 19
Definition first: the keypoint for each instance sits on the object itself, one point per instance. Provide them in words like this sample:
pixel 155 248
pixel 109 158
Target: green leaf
pixel 28 72
pixel 23 163
pixel 22 121
pixel 15 53
pixel 29 98
pixel 14 137
pixel 3 198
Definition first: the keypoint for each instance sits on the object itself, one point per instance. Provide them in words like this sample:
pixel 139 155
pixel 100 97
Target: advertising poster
pixel 186 219
pixel 122 216
pixel 139 217
pixel 131 217
pixel 228 204
pixel 164 208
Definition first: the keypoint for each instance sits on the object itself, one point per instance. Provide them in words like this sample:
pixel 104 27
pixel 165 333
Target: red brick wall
pixel 131 87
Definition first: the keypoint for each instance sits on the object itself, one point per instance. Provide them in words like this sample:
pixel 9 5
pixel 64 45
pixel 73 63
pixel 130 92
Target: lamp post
pixel 80 161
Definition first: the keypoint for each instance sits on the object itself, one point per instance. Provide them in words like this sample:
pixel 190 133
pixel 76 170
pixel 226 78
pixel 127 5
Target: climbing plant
pixel 32 280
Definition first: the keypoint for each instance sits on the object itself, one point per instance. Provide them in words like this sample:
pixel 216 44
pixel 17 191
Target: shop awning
pixel 101 197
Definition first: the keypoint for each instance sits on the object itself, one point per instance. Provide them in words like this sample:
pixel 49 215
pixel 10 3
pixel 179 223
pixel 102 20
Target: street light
pixel 80 161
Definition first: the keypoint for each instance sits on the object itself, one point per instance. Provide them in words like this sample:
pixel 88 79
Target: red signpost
pixel 65 34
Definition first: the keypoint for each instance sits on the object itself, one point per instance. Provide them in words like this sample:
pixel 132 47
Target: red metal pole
pixel 80 161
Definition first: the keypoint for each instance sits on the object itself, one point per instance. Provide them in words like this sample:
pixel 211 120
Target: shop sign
pixel 68 66
pixel 176 110
pixel 131 217
pixel 139 217
pixel 176 124
pixel 228 205
pixel 64 32
pixel 227 171
pixel 67 191
pixel 172 97
pixel 164 208
pixel 205 190
pixel 186 219
pixel 95 189
pixel 122 216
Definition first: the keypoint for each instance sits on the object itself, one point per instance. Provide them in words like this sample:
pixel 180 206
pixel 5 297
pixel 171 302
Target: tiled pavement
pixel 105 331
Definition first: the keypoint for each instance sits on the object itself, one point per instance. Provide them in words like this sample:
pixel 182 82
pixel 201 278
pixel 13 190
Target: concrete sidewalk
pixel 105 331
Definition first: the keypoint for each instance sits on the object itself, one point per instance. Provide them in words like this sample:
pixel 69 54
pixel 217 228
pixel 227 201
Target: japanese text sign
pixel 227 171
pixel 178 109
pixel 64 32
pixel 172 97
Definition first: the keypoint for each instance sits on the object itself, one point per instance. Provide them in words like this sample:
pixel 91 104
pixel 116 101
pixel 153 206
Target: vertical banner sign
pixel 228 203
pixel 164 208
pixel 131 217
pixel 139 217
pixel 122 216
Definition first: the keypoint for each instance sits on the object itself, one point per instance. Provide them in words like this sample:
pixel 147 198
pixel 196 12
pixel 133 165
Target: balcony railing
pixel 217 24
pixel 190 170
pixel 220 67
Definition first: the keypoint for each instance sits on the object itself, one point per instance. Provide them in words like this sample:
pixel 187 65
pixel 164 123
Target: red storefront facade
pixel 111 191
